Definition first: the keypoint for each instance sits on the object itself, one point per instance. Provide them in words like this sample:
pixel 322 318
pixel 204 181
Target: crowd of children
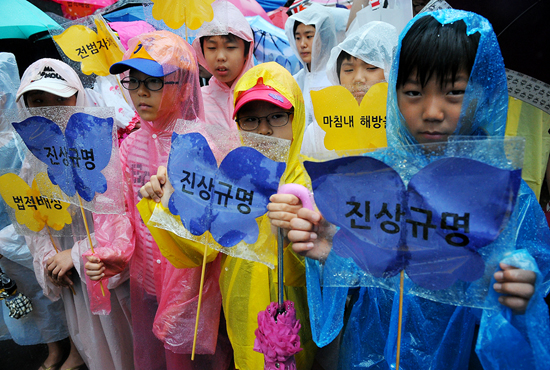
pixel 445 77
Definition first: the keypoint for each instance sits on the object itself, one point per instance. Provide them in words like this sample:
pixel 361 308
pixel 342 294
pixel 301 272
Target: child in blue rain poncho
pixel 447 79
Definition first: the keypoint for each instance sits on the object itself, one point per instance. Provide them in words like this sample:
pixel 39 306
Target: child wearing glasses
pixel 263 111
pixel 163 84
pixel 268 101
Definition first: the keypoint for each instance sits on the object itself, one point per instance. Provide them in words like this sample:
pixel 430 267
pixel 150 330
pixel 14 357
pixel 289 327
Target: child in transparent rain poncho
pixel 225 47
pixel 101 340
pixel 163 84
pixel 360 61
pixel 46 323
pixel 248 287
pixel 448 65
pixel 314 33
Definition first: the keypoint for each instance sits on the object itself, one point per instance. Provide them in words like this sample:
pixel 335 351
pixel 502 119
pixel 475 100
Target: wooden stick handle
pixel 89 237
pixel 199 304
pixel 400 322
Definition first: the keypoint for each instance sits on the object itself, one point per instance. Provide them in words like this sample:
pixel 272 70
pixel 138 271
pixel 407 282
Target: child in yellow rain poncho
pixel 248 287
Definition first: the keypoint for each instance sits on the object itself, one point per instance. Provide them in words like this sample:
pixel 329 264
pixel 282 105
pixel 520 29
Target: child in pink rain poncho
pixel 163 83
pixel 225 48
pixel 101 340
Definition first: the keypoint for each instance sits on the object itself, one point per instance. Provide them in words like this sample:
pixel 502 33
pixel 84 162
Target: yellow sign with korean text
pixel 31 208
pixel 348 125
pixel 96 51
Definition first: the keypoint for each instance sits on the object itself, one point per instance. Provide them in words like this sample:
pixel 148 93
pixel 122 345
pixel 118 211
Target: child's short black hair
pixel 230 37
pixel 432 49
pixel 296 24
pixel 343 56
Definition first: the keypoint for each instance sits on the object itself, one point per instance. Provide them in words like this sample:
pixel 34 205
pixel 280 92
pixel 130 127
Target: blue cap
pixel 149 67
pixel 140 60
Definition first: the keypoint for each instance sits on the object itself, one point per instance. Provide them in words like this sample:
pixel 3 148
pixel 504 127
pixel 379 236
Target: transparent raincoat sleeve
pixel 505 337
pixel 181 252
pixel 328 282
pixel 42 250
pixel 115 236
pixel 502 334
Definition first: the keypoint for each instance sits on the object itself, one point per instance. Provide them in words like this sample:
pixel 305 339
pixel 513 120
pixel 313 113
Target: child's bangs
pixel 229 38
pixel 344 56
pixel 451 51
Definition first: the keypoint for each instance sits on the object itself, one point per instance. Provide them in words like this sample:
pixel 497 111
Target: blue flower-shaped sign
pixel 74 159
pixel 433 228
pixel 227 200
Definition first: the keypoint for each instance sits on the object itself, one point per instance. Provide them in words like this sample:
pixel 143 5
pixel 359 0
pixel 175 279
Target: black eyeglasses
pixel 277 119
pixel 151 83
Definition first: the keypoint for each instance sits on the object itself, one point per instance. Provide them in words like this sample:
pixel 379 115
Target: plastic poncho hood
pixel 325 39
pixel 9 80
pixel 374 43
pixel 485 101
pixel 181 100
pixel 228 19
pixel 217 95
pixel 279 78
pixel 325 35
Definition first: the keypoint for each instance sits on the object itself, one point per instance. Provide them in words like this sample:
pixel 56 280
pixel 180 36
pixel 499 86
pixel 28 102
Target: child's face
pixel 358 76
pixel 39 98
pixel 225 57
pixel 261 109
pixel 304 36
pixel 146 102
pixel 432 112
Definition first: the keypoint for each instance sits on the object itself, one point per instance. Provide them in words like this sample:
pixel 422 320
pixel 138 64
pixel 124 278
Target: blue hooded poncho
pixel 437 335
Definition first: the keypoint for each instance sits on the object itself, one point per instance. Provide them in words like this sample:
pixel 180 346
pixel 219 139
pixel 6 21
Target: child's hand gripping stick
pixel 300 192
pixel 313 237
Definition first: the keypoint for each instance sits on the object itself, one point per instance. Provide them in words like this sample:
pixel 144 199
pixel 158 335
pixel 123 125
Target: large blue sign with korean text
pixel 224 201
pixel 75 158
pixel 433 228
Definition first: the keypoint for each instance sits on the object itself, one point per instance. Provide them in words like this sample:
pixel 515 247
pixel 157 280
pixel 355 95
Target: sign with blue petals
pixel 74 158
pixel 224 200
pixel 433 228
